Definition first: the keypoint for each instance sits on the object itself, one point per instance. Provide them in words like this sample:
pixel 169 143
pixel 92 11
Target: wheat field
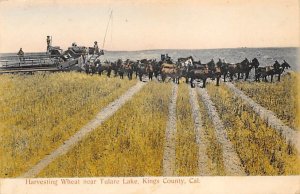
pixel 129 144
pixel 39 112
pixel 280 97
pixel 261 149
pixel 186 145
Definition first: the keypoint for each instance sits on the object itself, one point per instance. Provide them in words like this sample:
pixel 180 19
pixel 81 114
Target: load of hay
pixel 168 66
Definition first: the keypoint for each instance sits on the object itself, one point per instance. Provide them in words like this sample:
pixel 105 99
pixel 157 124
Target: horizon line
pixel 266 47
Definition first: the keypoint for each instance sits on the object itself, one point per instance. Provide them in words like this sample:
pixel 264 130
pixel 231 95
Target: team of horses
pixel 187 68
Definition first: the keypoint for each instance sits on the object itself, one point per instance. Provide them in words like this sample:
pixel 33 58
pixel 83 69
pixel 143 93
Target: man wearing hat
pixel 96 48
pixel 21 55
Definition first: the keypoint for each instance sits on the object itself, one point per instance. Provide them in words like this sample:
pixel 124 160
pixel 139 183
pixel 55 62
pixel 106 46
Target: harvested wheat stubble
pixel 201 141
pixel 214 148
pixel 39 112
pixel 231 160
pixel 186 145
pixel 169 148
pixel 280 97
pixel 89 127
pixel 269 117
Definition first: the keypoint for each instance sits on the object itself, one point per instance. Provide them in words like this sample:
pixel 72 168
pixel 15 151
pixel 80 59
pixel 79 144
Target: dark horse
pixel 145 67
pixel 254 63
pixel 106 66
pixel 116 67
pixel 184 64
pixel 223 68
pixel 90 68
pixel 204 71
pixel 156 68
pixel 200 73
pixel 135 67
pixel 128 68
pixel 142 70
pixel 215 71
pixel 241 68
pixel 149 70
pixel 276 69
pixel 121 71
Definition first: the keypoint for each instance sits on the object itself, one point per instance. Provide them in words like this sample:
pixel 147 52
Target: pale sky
pixel 149 24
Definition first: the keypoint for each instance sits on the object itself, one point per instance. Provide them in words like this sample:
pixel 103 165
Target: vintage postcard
pixel 149 96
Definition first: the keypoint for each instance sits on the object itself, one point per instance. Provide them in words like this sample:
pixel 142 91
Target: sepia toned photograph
pixel 153 96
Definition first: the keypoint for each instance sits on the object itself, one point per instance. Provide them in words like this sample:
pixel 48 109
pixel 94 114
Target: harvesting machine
pixel 55 59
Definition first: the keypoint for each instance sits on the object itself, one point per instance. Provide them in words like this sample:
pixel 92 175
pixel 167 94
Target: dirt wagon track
pixel 231 160
pixel 201 141
pixel 269 117
pixel 169 148
pixel 102 116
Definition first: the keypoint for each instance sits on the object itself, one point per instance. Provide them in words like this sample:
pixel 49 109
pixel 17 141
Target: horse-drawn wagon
pixel 171 71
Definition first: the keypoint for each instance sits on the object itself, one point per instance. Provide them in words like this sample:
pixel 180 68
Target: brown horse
pixel 241 68
pixel 145 67
pixel 128 68
pixel 90 68
pixel 232 69
pixel 106 66
pixel 116 66
pixel 201 73
pixel 149 70
pixel 223 68
pixel 142 70
pixel 214 71
pixel 171 71
pixel 275 69
pixel 204 71
pixel 156 68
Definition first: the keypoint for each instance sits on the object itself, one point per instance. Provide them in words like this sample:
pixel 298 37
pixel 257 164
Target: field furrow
pixel 39 112
pixel 200 135
pixel 213 150
pixel 186 145
pixel 262 150
pixel 232 163
pixel 78 125
pixel 101 117
pixel 282 97
pixel 269 117
pixel 130 143
pixel 169 147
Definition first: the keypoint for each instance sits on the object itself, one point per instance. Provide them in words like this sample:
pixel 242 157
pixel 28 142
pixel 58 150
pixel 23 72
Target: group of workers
pixel 96 50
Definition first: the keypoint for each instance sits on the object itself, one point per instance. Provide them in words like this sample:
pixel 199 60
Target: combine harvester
pixel 55 59
pixel 75 58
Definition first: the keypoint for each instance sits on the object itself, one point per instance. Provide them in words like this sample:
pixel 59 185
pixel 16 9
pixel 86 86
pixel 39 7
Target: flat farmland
pixel 77 125
pixel 38 113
